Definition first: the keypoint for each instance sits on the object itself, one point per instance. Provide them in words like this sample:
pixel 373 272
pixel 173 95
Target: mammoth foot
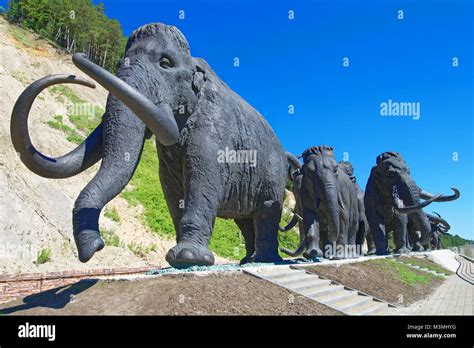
pixel 313 253
pixel 88 242
pixel 267 257
pixel 186 254
pixel 418 247
pixel 247 259
pixel 372 251
pixel 403 250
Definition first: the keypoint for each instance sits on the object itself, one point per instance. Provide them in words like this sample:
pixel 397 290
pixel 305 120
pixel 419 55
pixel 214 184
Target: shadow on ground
pixel 56 298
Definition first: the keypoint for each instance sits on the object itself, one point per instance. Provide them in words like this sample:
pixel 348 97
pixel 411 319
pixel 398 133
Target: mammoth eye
pixel 165 63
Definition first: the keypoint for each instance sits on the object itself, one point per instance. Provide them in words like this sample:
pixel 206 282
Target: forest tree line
pixel 75 25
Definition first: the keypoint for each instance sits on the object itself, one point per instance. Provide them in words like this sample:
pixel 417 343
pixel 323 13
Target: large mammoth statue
pixel 391 197
pixel 327 202
pixel 363 232
pixel 161 89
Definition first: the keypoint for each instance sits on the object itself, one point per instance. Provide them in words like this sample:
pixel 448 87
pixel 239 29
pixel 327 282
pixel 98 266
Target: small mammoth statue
pixel 393 203
pixel 327 204
pixel 363 232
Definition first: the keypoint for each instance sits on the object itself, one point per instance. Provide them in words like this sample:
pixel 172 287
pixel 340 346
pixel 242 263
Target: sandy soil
pixel 36 213
pixel 377 281
pixel 185 294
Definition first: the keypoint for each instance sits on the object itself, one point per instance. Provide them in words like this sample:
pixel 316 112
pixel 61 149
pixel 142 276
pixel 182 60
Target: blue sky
pixel 300 62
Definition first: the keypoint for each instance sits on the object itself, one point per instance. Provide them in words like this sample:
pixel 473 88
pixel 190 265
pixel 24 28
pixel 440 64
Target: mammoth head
pixel 158 63
pixel 393 176
pixel 157 79
pixel 347 168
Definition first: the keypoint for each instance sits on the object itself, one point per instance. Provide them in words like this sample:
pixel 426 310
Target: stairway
pixel 321 290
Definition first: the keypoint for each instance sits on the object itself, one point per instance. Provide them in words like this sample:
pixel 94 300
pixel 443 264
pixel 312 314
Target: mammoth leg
pixel 342 241
pixel 399 226
pixel 247 228
pixel 377 227
pixel 266 222
pixel 361 235
pixel 413 238
pixel 172 190
pixel 124 136
pixel 201 203
pixel 312 232
pixel 422 224
pixel 369 238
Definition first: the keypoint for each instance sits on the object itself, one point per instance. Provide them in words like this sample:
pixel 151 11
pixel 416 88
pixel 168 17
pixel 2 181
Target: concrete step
pixel 276 275
pixel 322 291
pixel 368 308
pixel 292 279
pixel 328 298
pixel 350 302
pixel 308 284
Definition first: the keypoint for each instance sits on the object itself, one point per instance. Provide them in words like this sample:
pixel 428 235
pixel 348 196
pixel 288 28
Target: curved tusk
pixel 401 208
pixel 158 118
pixel 291 224
pixel 427 195
pixel 82 157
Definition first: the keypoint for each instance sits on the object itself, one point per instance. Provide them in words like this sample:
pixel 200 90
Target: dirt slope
pixel 215 294
pixel 35 213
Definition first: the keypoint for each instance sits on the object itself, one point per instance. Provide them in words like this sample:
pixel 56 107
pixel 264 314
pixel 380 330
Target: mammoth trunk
pixel 330 200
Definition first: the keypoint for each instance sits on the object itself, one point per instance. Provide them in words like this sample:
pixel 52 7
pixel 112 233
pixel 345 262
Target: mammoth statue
pixel 363 233
pixel 392 198
pixel 439 226
pixel 161 89
pixel 327 203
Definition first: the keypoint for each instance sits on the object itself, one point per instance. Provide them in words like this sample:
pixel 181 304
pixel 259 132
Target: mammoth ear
pixel 200 76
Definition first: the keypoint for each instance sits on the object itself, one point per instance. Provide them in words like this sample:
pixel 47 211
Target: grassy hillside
pixel 449 241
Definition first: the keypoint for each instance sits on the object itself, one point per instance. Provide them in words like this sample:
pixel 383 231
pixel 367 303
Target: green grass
pixel 110 238
pixel 425 264
pixel 112 214
pixel 84 116
pixel 405 273
pixel 20 76
pixel 449 241
pixel 43 256
pixel 140 250
pixel 21 35
pixel 66 92
pixel 71 134
pixel 226 240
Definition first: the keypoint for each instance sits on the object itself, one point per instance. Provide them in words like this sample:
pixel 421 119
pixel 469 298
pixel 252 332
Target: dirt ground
pixel 185 294
pixel 377 281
